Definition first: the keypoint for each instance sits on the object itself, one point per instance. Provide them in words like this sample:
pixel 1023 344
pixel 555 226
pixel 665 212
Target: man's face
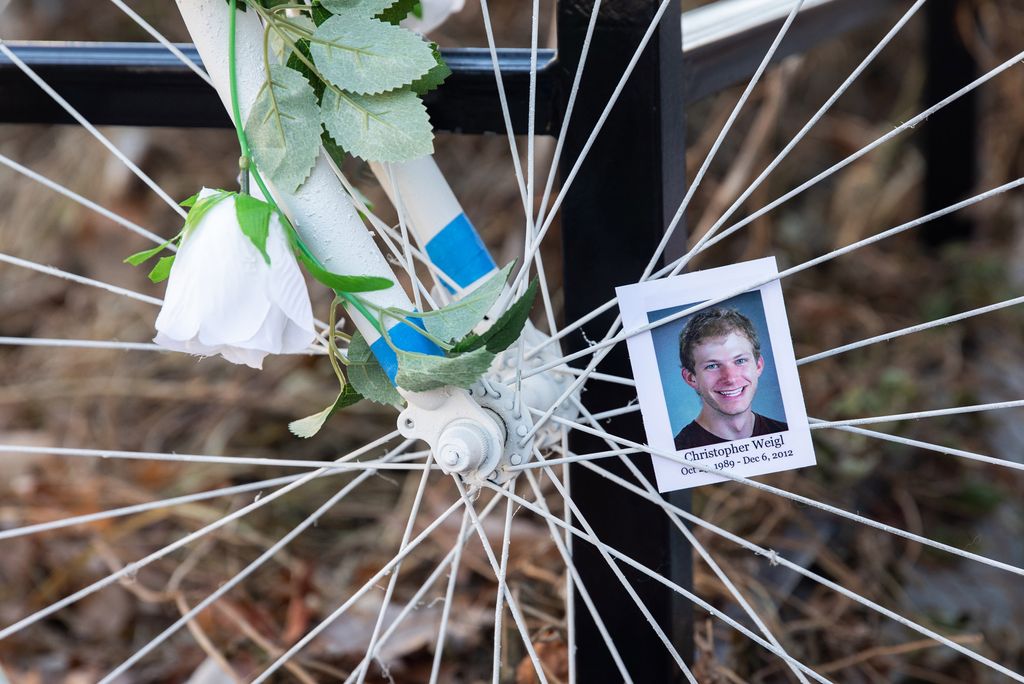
pixel 725 373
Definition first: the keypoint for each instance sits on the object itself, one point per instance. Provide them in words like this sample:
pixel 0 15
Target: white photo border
pixel 746 457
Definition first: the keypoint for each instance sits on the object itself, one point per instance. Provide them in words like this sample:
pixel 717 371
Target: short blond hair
pixel 714 322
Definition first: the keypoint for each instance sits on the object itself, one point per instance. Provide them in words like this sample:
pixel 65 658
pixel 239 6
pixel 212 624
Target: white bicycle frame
pixel 321 209
pixel 325 217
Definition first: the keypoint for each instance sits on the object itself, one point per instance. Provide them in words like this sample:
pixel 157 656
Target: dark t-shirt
pixel 693 435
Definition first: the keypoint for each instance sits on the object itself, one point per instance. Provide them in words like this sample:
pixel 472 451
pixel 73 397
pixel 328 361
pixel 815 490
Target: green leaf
pixel 254 220
pixel 300 65
pixel 190 201
pixel 281 48
pixel 310 425
pixel 201 206
pixel 332 148
pixel 457 319
pixel 390 127
pixel 366 375
pixel 433 78
pixel 162 269
pixel 366 56
pixel 284 129
pixel 399 10
pixel 506 329
pixel 359 8
pixel 320 15
pixel 343 283
pixel 146 255
pixel 421 372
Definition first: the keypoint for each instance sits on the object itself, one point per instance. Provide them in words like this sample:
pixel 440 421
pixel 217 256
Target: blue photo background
pixel 682 402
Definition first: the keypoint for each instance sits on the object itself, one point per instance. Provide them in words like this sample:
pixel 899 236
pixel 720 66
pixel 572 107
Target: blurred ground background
pixel 155 402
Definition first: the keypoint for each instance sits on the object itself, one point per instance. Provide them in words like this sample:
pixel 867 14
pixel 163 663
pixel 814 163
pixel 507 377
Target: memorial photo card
pixel 715 375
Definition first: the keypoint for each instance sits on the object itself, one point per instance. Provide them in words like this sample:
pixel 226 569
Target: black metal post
pixel 949 139
pixel 626 192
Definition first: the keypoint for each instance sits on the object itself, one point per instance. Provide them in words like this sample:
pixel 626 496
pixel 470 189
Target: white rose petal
pixel 223 298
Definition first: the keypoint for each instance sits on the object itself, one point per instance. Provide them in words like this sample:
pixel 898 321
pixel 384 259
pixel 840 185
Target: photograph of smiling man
pixel 720 356
pixel 717 384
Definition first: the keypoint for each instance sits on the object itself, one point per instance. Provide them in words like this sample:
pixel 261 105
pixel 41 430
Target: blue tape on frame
pixel 406 339
pixel 458 251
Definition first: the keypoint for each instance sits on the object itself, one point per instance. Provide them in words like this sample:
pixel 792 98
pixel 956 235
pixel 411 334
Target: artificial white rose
pixel 435 12
pixel 224 298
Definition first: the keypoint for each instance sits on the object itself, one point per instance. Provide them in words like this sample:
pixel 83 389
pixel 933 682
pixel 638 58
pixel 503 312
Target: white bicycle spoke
pixel 503 101
pixel 570 104
pixel 695 544
pixel 585 150
pixel 66 106
pixel 545 296
pixel 326 622
pixel 774 558
pixel 80 344
pixel 885 337
pixel 896 439
pixel 419 292
pixel 499 603
pixel 87 203
pixel 124 346
pixel 82 280
pixel 570 598
pixel 615 339
pixel 377 464
pixel 662 580
pixel 160 38
pixel 617 571
pixel 672 269
pixel 267 555
pixel 449 593
pixel 621 411
pixel 569 391
pixel 726 127
pixel 574 458
pixel 149 506
pixel 594 375
pixel 854 75
pixel 578 583
pixel 451 560
pixel 414 511
pixel 531 125
pixel 531 225
pixel 955 410
pixel 891 529
pixel 133 568
pixel 513 605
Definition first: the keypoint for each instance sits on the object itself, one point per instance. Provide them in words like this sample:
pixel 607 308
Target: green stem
pixel 332 348
pixel 403 316
pixel 243 143
pixel 360 306
pixel 277 9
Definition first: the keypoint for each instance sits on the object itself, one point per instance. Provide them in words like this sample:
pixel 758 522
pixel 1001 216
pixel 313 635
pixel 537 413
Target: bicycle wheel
pixel 854 570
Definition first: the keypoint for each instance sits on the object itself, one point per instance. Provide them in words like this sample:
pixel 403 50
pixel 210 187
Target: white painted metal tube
pixel 319 209
pixel 437 220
